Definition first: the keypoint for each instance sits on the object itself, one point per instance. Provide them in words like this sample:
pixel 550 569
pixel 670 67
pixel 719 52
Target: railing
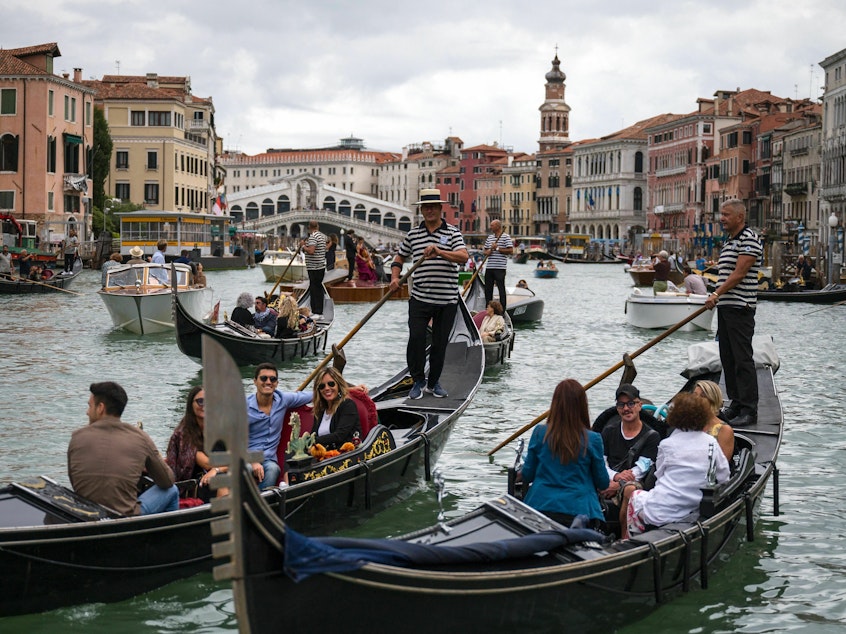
pixel 796 189
pixel 800 151
pixel 198 125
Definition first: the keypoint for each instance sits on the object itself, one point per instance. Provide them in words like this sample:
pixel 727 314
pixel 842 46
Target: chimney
pixel 77 75
pixel 66 75
pixel 152 80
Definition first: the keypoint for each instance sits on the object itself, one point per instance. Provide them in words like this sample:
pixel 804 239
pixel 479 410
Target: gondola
pixel 522 305
pixel 57 549
pixel 55 283
pixel 502 567
pixel 830 294
pixel 246 346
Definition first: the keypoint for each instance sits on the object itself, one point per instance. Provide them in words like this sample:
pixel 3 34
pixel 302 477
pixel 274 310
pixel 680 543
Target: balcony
pixel 796 189
pixel 197 125
pixel 800 151
pixel 671 171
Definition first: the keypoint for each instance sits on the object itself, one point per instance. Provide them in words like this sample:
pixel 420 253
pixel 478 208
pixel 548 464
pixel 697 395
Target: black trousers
pixel 315 289
pixel 735 327
pixel 350 264
pixel 495 276
pixel 442 317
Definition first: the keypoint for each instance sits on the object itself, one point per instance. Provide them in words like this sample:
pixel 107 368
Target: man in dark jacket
pixel 349 247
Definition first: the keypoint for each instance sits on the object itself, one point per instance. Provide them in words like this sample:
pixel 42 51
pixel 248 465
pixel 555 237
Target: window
pixel 138 118
pixel 7 200
pixel 122 160
pixel 71 158
pixel 747 137
pixel 9 101
pixel 8 153
pixel 50 98
pixel 72 110
pixel 87 113
pixel 51 154
pixel 152 160
pixel 151 193
pixel 71 204
pixel 638 199
pixel 122 191
pixel 51 201
pixel 67 108
pixel 638 162
pixel 158 118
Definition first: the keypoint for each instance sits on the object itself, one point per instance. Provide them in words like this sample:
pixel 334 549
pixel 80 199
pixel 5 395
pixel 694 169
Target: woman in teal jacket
pixel 565 463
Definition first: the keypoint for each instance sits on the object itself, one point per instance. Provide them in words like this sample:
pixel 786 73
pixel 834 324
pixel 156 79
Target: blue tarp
pixel 305 556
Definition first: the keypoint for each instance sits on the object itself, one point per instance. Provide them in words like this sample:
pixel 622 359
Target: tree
pixel 101 157
pixel 112 224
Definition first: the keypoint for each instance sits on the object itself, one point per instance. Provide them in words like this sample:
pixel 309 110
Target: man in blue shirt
pixel 266 411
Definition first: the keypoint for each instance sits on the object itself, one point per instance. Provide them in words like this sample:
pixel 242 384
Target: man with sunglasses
pixel 266 411
pixel 631 446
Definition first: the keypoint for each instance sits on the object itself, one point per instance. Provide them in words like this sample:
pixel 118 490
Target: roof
pixel 638 130
pixel 11 62
pixel 50 47
pixel 311 156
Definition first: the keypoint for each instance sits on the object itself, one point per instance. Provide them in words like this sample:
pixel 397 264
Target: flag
pixel 589 201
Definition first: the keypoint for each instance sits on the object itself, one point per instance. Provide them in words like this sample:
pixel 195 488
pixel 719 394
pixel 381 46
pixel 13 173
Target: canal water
pixel 791 578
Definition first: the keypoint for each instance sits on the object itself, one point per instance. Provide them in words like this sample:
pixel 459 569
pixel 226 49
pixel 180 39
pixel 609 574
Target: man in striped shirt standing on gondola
pixel 434 291
pixel 497 248
pixel 314 248
pixel 737 294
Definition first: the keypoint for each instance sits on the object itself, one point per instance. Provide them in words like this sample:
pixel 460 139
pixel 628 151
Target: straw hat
pixel 430 196
pixel 136 252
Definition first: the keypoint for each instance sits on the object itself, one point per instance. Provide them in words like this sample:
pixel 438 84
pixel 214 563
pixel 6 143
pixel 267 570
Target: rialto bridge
pixel 285 207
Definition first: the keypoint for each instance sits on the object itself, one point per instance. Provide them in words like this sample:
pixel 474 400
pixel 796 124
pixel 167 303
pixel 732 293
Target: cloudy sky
pixel 304 74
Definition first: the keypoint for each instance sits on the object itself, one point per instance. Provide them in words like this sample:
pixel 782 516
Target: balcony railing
pixel 796 189
pixel 197 125
pixel 800 151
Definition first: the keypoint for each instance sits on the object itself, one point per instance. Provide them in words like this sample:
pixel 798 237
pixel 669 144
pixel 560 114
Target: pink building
pixel 46 135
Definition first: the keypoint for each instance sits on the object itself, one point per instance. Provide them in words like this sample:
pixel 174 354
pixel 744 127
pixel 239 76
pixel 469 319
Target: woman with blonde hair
pixel 335 413
pixel 723 432
pixel 288 322
pixel 565 462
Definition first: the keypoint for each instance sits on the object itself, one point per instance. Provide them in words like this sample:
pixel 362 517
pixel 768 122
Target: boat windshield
pixel 145 276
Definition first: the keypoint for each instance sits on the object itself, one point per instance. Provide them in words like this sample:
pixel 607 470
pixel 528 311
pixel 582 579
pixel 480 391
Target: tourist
pixel 288 321
pixel 364 263
pixel 265 317
pixel 497 248
pixel 434 291
pixel 350 246
pixel 564 463
pixel 5 263
pixel 241 313
pixel 522 284
pixel 737 294
pixel 688 460
pixel 199 276
pixel 25 261
pixel 136 256
pixel 694 283
pixel 266 411
pixel 183 257
pixel 159 253
pixel 723 432
pixel 107 458
pixel 315 249
pixel 114 260
pixel 336 418
pixel 331 249
pixel 493 325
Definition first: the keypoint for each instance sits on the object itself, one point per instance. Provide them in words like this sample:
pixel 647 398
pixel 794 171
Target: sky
pixel 287 74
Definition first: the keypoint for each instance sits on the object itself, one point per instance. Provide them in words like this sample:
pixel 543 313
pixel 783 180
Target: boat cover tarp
pixel 704 358
pixel 305 556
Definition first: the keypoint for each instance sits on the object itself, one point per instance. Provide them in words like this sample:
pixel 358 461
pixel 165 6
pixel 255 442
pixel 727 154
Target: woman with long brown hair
pixel 335 413
pixel 565 462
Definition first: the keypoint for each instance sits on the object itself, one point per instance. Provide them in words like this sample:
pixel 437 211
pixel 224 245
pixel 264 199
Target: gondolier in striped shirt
pixel 497 248
pixel 434 291
pixel 737 294
pixel 314 248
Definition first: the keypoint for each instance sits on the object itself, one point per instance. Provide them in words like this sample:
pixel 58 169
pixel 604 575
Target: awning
pixel 72 139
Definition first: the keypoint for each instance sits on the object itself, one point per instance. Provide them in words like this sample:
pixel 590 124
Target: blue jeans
pixel 158 500
pixel 272 473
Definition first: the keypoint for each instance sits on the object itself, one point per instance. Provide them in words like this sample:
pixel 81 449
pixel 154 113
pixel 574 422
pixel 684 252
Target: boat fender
pixel 659 412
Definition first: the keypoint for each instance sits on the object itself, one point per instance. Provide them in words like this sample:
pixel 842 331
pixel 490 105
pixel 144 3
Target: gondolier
pixel 737 294
pixel 315 249
pixel 434 290
pixel 497 248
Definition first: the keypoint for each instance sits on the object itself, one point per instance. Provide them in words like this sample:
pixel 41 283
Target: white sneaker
pixel 317 317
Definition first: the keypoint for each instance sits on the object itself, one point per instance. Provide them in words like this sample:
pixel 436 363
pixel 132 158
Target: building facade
pixel 164 143
pixel 833 168
pixel 46 136
pixel 519 192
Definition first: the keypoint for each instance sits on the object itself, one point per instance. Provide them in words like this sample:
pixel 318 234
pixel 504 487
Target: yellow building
pixel 518 195
pixel 164 142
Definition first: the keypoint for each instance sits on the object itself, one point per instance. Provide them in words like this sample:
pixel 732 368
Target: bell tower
pixel 554 112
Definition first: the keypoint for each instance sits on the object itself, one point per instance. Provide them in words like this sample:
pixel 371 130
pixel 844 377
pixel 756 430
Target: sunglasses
pixel 329 383
pixel 200 401
pixel 271 379
pixel 626 405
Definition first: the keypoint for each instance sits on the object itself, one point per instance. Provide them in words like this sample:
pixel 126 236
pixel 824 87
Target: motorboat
pixel 138 296
pixel 665 309
pixel 285 265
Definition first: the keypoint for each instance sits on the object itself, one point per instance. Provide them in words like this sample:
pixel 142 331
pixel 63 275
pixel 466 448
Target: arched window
pixel 638 163
pixel 390 220
pixel 360 212
pixel 404 224
pixel 638 199
pixel 267 207
pixel 344 208
pixel 283 204
pixel 374 216
pixel 329 203
pixel 252 211
pixel 8 153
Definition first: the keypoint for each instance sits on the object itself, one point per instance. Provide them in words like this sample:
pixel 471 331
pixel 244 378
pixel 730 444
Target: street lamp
pixel 106 209
pixel 833 221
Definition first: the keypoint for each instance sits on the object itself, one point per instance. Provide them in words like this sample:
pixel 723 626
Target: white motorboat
pixel 666 309
pixel 139 296
pixel 275 263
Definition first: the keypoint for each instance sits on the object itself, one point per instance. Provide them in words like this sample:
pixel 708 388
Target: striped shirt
pixel 746 292
pixel 317 260
pixel 497 260
pixel 435 281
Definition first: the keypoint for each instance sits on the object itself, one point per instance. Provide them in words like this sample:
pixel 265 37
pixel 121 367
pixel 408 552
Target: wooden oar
pixel 474 276
pixel 281 277
pixel 605 375
pixel 50 286
pixel 358 326
pixel 824 308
